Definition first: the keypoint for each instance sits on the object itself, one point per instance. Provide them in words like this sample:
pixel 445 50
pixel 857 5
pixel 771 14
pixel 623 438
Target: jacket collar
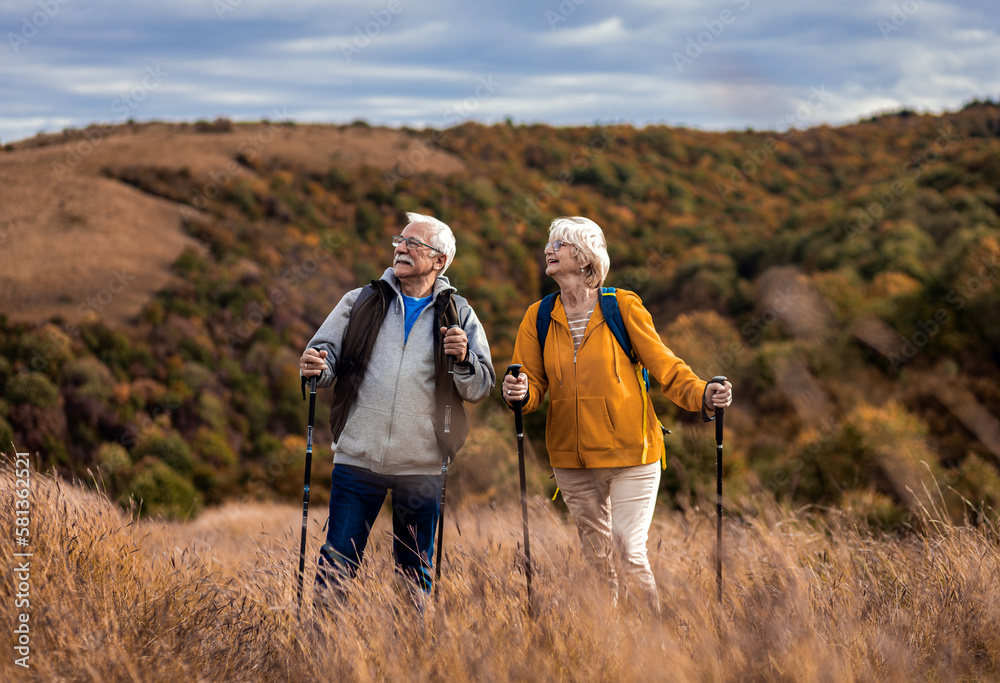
pixel 440 284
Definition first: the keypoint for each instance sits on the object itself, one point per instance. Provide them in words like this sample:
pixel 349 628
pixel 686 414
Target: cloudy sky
pixel 710 64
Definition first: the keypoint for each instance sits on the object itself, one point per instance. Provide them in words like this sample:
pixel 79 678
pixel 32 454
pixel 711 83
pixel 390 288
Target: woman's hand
pixel 515 388
pixel 718 395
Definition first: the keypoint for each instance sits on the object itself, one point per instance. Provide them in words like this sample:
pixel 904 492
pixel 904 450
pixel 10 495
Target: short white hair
pixel 588 243
pixel 441 237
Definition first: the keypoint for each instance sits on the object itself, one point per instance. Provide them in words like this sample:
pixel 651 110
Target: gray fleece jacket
pixel 390 427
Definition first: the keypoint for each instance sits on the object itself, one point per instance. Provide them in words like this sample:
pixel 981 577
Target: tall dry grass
pixel 806 598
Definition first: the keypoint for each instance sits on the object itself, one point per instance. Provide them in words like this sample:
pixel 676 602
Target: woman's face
pixel 560 259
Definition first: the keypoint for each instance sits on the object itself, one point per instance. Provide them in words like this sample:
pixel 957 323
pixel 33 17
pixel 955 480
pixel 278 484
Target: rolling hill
pixel 160 280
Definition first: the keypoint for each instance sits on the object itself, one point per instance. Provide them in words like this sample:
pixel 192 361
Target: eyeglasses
pixel 557 245
pixel 412 243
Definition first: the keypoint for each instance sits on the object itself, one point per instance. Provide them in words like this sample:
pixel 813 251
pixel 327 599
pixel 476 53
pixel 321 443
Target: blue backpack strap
pixel 613 316
pixel 544 318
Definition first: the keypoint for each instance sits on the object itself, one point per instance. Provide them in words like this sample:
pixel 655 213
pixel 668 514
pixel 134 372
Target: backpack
pixel 367 314
pixel 452 417
pixel 613 316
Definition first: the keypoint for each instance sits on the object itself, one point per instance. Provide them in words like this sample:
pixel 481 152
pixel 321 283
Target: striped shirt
pixel 578 325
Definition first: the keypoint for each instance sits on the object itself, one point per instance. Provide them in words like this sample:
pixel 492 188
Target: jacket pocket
pixel 626 417
pixel 365 433
pixel 597 432
pixel 585 422
pixel 412 442
pixel 560 425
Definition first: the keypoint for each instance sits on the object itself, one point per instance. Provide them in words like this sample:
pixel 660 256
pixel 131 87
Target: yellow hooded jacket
pixel 596 410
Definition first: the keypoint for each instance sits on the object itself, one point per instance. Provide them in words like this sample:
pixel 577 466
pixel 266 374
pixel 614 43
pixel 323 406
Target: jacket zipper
pixel 392 412
pixel 395 390
pixel 576 385
pixel 399 373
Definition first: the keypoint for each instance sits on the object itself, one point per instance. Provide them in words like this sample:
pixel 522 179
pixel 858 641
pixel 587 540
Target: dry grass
pixel 806 599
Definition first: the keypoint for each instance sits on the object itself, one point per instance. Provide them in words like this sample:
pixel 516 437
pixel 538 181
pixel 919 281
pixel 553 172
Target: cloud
pixel 611 31
pixel 743 62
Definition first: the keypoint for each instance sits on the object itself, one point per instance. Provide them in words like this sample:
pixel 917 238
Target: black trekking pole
pixel 444 469
pixel 305 487
pixel 718 417
pixel 515 370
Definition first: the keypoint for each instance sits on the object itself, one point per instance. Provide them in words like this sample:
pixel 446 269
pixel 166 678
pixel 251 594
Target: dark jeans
pixel 356 497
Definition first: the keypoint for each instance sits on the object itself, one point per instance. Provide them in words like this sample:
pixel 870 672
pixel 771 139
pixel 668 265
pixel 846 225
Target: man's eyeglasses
pixel 412 243
pixel 557 245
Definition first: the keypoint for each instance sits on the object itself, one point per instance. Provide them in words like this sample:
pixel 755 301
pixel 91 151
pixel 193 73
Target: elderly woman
pixel 603 439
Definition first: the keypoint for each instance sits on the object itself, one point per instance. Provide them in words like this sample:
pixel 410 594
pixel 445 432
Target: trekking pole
pixel 444 469
pixel 305 487
pixel 718 417
pixel 515 370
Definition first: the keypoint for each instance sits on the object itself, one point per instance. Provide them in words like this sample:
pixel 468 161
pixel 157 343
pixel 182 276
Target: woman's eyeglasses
pixel 557 245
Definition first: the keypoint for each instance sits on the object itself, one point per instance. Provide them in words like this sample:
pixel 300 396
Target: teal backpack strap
pixel 544 318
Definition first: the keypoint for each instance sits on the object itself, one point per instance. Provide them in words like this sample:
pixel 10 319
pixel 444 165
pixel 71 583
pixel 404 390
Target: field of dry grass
pixel 806 599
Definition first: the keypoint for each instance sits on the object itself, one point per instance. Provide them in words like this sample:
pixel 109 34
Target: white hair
pixel 588 243
pixel 440 237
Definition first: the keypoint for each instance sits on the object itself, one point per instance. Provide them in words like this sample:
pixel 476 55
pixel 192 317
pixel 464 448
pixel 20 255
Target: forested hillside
pixel 844 279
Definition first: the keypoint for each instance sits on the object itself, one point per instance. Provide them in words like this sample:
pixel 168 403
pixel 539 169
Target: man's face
pixel 416 262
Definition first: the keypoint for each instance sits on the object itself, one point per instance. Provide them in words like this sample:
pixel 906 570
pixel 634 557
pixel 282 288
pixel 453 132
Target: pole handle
pixel 312 379
pixel 451 358
pixel 515 370
pixel 719 412
pixel 718 379
pixel 451 391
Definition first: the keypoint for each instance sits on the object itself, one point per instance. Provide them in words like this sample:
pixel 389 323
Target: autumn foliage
pixel 845 279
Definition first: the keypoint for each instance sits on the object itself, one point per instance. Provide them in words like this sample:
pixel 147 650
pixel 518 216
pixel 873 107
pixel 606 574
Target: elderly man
pixel 391 432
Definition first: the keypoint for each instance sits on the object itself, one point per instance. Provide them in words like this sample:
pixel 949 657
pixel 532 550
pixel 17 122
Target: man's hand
pixel 455 342
pixel 312 362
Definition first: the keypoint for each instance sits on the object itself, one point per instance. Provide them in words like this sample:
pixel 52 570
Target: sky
pixel 706 64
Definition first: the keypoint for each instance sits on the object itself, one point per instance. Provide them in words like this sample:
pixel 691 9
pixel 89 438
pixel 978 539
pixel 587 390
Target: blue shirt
pixel 413 307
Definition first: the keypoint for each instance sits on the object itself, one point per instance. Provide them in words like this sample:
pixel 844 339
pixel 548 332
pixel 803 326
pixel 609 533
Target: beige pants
pixel 613 508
